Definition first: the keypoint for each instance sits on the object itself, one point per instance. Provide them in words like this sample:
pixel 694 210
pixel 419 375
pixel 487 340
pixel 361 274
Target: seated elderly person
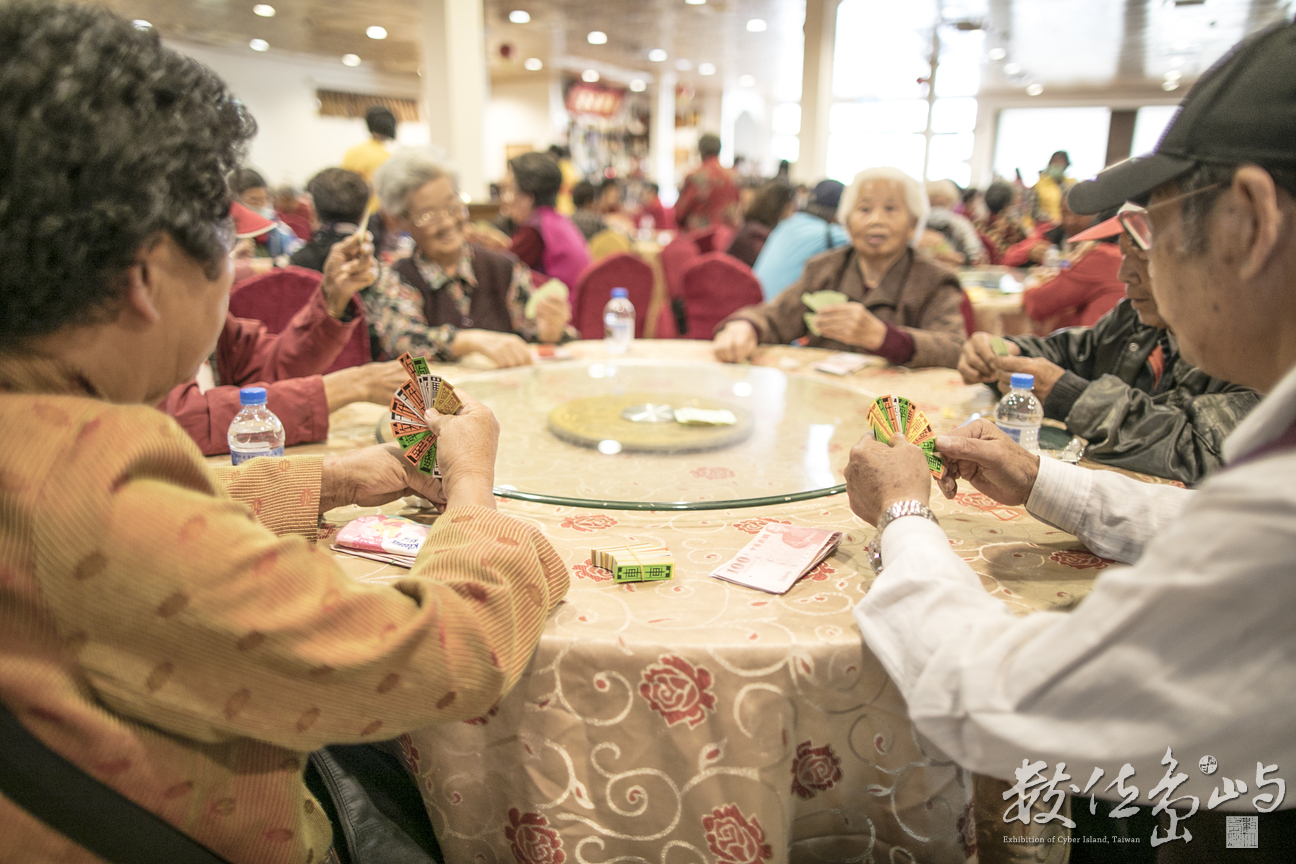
pixel 340 198
pixel 999 228
pixel 586 217
pixel 950 237
pixel 1123 384
pixel 771 205
pixel 901 305
pixel 1084 285
pixel 544 240
pixel 799 237
pixel 451 297
pixel 168 627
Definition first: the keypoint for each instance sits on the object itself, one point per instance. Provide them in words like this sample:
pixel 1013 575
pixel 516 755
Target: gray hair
pixel 403 174
pixel 914 194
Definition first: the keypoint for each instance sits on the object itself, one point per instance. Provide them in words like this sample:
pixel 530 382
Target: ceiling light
pixel 533 64
pixel 520 16
pixel 596 37
pixel 264 10
pixel 1170 85
pixel 1173 75
pixel 747 81
pixel 756 25
pixel 589 76
pixel 695 2
pixel 706 68
pixel 141 24
pixel 376 32
pixel 638 85
pixel 657 55
pixel 259 45
pixel 1012 68
pixel 996 53
pixel 683 65
pixel 1034 89
pixel 350 60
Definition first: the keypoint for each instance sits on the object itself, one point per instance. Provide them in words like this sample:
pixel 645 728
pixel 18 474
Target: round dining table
pixel 693 719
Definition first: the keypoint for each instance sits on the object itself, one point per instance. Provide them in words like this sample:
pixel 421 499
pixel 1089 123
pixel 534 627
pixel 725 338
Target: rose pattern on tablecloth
pixel 734 838
pixel 989 505
pixel 967 832
pixel 678 691
pixel 532 840
pixel 754 526
pixel 822 572
pixel 1080 559
pixel 814 770
pixel 587 570
pixel 588 522
pixel 712 473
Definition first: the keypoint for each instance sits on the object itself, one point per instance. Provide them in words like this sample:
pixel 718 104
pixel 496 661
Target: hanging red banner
pixel 591 99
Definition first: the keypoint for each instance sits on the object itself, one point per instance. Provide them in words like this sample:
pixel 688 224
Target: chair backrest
pixel 608 242
pixel 713 238
pixel 619 270
pixel 676 257
pixel 715 286
pixel 969 314
pixel 276 297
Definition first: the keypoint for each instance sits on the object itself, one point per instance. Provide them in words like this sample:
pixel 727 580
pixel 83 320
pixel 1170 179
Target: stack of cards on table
pixel 778 557
pixel 890 416
pixel 638 562
pixel 409 412
pixel 382 538
pixel 817 300
pixel 844 363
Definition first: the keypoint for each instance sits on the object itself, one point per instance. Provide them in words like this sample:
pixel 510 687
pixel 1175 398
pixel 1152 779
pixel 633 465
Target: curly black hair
pixel 537 175
pixel 107 142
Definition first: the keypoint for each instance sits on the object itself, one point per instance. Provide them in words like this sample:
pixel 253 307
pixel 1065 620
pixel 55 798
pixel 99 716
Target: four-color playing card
pixel 408 412
pixel 890 416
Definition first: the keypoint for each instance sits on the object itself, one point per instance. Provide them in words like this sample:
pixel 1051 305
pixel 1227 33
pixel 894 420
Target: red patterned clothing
pixel 708 196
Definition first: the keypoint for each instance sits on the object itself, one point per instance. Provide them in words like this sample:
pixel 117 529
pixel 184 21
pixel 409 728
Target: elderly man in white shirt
pixel 1190 651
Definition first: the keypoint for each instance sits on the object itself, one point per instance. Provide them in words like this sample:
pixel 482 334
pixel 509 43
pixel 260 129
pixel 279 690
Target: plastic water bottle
pixel 1020 414
pixel 255 431
pixel 618 322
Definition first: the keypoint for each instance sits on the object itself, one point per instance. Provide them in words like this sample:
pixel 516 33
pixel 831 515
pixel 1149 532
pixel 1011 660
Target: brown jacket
pixel 917 295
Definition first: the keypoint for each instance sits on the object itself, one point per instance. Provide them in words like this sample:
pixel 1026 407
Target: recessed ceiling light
pixel 996 53
pixel 376 32
pixel 264 10
pixel 695 2
pixel 141 24
pixel 589 76
pixel 756 25
pixel 533 64
pixel 1012 68
pixel 1173 75
pixel 706 69
pixel 683 65
pixel 638 85
pixel 596 37
pixel 259 45
pixel 1034 89
pixel 747 81
pixel 520 16
pixel 657 55
pixel 1170 85
pixel 350 60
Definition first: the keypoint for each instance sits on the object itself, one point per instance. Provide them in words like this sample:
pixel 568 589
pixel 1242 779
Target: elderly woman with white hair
pixel 451 297
pixel 899 304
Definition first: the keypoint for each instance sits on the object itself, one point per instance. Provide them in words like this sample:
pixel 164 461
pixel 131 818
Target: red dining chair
pixel 716 286
pixel 713 238
pixel 621 270
pixel 276 297
pixel 969 314
pixel 676 257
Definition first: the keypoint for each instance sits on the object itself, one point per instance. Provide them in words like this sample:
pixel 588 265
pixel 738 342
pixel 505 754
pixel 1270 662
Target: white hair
pixel 914 195
pixel 407 171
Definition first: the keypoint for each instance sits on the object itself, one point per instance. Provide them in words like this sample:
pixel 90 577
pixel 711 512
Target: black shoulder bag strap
pixel 79 807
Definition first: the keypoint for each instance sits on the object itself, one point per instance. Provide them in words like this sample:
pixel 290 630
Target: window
pixel 1028 136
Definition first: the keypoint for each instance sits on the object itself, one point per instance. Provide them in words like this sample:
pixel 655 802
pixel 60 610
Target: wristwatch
pixel 912 507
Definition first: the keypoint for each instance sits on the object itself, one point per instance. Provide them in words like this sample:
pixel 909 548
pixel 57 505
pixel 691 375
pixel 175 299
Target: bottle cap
pixel 1022 381
pixel 620 292
pixel 255 396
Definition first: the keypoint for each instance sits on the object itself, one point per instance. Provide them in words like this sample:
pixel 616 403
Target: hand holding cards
pixel 408 412
pixel 816 300
pixel 890 416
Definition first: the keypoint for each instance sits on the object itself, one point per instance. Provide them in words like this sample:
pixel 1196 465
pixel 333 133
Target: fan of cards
pixel 890 416
pixel 409 412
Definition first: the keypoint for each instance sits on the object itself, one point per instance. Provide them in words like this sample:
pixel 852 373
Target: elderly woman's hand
pixel 736 342
pixel 466 445
pixel 504 349
pixel 552 315
pixel 879 475
pixel 350 267
pixel 852 324
pixel 372 476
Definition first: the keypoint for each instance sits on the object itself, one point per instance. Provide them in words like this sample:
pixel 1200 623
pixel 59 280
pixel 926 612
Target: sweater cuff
pixel 1063 396
pixel 898 346
pixel 283 492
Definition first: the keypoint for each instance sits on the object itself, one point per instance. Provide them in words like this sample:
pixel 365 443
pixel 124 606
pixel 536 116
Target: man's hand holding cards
pixel 409 426
pixel 890 416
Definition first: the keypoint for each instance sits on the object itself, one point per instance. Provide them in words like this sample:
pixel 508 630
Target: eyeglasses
pixel 428 217
pixel 1133 218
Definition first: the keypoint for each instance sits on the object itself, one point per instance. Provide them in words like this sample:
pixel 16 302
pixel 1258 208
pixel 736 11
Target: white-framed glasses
pixel 1133 218
pixel 428 217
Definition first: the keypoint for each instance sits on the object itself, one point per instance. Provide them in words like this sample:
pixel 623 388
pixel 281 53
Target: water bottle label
pixel 1011 431
pixel 237 458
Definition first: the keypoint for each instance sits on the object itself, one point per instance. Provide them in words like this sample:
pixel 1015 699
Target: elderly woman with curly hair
pixel 168 627
pixel 899 304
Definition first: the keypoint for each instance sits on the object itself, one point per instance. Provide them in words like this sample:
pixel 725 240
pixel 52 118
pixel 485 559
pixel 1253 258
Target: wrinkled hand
pixel 505 349
pixel 988 459
pixel 735 343
pixel 852 324
pixel 467 442
pixel 487 235
pixel 1046 373
pixel 879 475
pixel 978 362
pixel 350 267
pixel 371 382
pixel 552 315
pixel 373 476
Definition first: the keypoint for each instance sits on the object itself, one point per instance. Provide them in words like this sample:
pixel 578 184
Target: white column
pixel 662 142
pixel 456 85
pixel 816 89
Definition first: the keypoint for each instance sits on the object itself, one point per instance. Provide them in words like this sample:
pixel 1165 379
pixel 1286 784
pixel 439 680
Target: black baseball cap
pixel 1242 110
